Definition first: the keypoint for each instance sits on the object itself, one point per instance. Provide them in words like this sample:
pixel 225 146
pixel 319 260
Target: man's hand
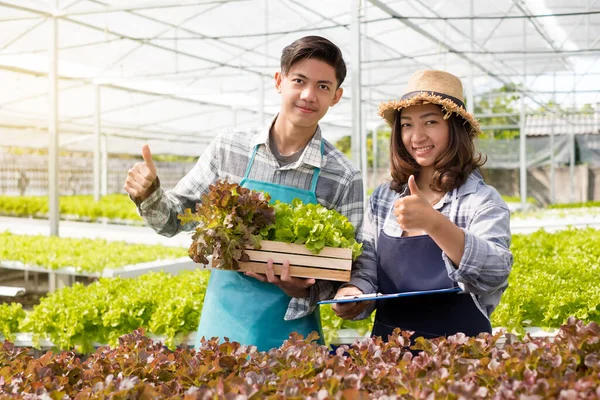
pixel 293 287
pixel 352 309
pixel 413 212
pixel 140 178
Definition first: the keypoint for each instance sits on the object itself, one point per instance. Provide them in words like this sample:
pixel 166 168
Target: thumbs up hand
pixel 140 178
pixel 147 156
pixel 413 212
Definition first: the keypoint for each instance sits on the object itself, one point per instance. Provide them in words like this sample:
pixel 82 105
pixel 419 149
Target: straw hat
pixel 436 87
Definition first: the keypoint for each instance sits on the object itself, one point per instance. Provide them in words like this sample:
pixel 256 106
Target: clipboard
pixel 379 296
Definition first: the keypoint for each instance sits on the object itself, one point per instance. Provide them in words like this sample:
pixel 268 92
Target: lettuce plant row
pixel 112 207
pixel 457 367
pixel 555 276
pixel 78 316
pixel 89 255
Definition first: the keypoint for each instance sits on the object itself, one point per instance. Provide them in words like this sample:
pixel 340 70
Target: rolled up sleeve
pixel 161 208
pixel 487 260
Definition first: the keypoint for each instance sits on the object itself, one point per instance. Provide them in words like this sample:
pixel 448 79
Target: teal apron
pixel 249 311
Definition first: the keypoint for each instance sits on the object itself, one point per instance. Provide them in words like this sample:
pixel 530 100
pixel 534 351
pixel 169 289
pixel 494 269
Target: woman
pixel 436 225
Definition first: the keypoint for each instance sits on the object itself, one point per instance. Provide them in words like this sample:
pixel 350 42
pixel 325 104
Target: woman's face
pixel 425 133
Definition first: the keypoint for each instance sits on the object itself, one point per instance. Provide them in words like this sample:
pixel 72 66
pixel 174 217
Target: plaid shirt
pixel 226 157
pixel 474 207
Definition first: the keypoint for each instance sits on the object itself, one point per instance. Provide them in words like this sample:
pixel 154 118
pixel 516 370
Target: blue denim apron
pixel 413 263
pixel 249 311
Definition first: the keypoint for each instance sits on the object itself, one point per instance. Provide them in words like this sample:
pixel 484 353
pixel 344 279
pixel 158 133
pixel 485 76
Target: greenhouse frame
pixel 107 76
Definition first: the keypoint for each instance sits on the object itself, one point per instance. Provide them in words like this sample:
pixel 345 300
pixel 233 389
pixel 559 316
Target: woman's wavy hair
pixel 452 168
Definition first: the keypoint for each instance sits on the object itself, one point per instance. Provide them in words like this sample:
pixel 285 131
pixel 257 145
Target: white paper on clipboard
pixel 379 296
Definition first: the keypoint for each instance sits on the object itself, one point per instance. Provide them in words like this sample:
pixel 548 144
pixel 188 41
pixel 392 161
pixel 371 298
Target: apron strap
pixel 315 178
pixel 316 172
pixel 250 162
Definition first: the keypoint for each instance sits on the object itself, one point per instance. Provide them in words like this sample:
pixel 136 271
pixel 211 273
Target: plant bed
pixel 113 208
pixel 457 367
pixel 554 276
pixel 70 256
pixel 80 316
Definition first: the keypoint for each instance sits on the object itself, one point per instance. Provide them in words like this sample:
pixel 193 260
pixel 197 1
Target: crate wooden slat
pixel 298 272
pixel 297 259
pixel 332 264
pixel 282 247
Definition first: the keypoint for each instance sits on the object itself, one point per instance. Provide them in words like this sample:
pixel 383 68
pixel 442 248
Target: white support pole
pixel 51 282
pixel 357 143
pixel 137 7
pixel 470 101
pixel 261 79
pixel 234 117
pixel 53 162
pixel 523 133
pixel 587 24
pixel 572 145
pixel 104 166
pixel 261 100
pixel 355 76
pixel 552 149
pixel 375 172
pixel 364 159
pixel 374 134
pixel 97 143
pixel 58 281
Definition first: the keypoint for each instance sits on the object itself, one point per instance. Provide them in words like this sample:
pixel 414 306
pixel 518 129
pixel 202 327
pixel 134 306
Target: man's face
pixel 307 91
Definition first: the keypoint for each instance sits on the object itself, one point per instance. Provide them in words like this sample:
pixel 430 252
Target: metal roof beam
pixel 384 7
pixel 540 30
pixel 123 88
pixel 133 132
pixel 192 32
pixel 142 6
pixel 115 109
pixel 22 7
pixel 37 95
pixel 20 19
pixel 391 49
pixel 123 36
pixel 171 119
pixel 141 44
pixel 495 28
pixel 71 4
pixel 138 91
pixel 448 47
pixel 482 45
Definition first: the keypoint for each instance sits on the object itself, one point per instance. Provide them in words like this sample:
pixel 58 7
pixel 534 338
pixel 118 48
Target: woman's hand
pixel 414 213
pixel 352 309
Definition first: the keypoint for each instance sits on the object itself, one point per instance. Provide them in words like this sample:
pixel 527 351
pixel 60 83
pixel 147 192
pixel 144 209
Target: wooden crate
pixel 333 264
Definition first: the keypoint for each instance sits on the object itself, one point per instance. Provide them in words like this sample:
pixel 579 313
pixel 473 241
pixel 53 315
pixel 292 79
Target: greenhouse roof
pixel 176 73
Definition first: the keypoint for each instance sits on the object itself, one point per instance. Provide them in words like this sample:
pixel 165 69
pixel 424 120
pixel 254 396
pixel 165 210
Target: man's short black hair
pixel 316 47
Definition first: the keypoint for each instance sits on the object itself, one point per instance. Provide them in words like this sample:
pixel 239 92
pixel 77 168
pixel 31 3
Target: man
pixel 289 159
